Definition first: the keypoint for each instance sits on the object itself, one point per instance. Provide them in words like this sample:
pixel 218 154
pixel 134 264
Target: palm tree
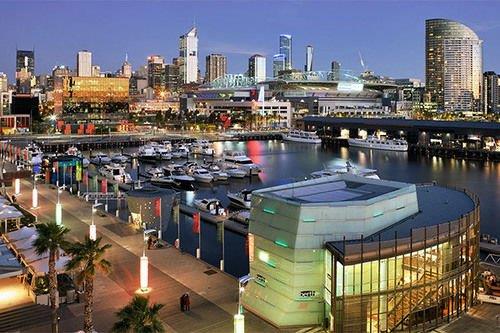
pixel 139 317
pixel 87 259
pixel 51 238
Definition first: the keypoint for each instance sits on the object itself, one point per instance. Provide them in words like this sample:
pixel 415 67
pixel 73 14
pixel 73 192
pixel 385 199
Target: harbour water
pixel 284 162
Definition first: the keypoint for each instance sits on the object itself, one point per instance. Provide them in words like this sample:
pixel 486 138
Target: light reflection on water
pixel 284 162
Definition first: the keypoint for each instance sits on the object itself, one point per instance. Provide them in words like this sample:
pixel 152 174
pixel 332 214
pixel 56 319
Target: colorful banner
pixel 196 222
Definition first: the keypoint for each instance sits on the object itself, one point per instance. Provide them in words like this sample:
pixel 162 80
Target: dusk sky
pixel 389 34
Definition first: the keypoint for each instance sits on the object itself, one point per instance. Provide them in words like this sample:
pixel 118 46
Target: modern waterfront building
pixel 453 66
pixel 92 96
pixel 279 64
pixel 309 59
pixel 216 66
pixel 84 63
pixel 362 255
pixel 491 93
pixel 286 50
pixel 156 72
pixel 25 71
pixel 188 56
pixel 257 68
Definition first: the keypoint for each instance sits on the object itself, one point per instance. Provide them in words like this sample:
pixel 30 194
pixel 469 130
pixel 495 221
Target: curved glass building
pixel 362 255
pixel 453 65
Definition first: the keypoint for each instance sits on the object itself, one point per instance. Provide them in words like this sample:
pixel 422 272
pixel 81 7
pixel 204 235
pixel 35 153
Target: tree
pixel 87 259
pixel 52 239
pixel 139 317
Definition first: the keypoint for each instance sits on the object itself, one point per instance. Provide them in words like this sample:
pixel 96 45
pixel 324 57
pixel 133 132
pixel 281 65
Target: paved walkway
pixel 171 273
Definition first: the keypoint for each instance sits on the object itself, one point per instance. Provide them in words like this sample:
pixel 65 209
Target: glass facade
pixel 453 65
pixel 405 284
pixel 286 50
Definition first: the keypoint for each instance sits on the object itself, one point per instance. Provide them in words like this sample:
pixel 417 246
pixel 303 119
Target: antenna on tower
pixel 126 57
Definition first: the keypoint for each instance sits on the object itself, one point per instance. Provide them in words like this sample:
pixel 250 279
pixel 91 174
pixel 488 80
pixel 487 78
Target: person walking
pixel 187 303
pixel 150 242
pixel 182 302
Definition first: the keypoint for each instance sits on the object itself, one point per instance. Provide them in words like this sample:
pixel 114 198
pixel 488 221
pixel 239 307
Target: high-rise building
pixel 84 63
pixel 279 64
pixel 309 59
pixel 188 56
pixel 4 82
pixel 216 66
pixel 335 70
pixel 126 70
pixel 25 71
pixel 172 75
pixel 491 93
pixel 96 71
pixel 286 49
pixel 156 72
pixel 453 65
pixel 257 67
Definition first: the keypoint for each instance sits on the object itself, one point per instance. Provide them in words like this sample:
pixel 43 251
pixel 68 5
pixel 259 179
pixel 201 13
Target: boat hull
pixel 379 146
pixel 301 140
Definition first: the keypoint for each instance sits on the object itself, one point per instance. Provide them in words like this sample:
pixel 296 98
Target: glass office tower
pixel 453 65
pixel 286 49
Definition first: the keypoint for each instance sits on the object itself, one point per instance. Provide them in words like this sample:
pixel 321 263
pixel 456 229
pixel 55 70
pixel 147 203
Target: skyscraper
pixel 172 75
pixel 216 66
pixel 188 56
pixel 126 70
pixel 491 93
pixel 453 65
pixel 286 49
pixel 25 71
pixel 84 63
pixel 335 70
pixel 309 59
pixel 156 72
pixel 257 67
pixel 4 82
pixel 279 64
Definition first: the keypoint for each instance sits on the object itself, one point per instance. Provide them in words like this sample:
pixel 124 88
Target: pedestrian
pixel 187 303
pixel 181 300
pixel 150 242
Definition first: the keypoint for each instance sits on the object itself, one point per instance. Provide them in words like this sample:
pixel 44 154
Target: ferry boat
pixel 348 168
pixel 302 137
pixel 115 172
pixel 241 199
pixel 242 161
pixel 373 142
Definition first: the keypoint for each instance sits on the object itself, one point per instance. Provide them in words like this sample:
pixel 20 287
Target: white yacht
pixel 146 153
pixel 212 205
pixel 100 158
pixel 348 168
pixel 242 161
pixel 216 172
pixel 182 180
pixel 373 142
pixel 241 199
pixel 180 152
pixel 155 172
pixel 202 147
pixel 119 158
pixel 162 151
pixel 202 175
pixel 115 172
pixel 235 172
pixel 163 181
pixel 302 136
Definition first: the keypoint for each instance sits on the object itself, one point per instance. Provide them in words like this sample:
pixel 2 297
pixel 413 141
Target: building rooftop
pixel 437 205
pixel 339 190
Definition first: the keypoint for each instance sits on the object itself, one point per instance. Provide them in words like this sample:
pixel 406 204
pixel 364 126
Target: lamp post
pixel 59 205
pixel 34 194
pixel 239 318
pixel 17 186
pixel 93 229
pixel 144 264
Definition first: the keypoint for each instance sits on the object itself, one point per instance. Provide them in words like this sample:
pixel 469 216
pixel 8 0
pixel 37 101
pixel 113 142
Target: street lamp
pixel 239 318
pixel 59 205
pixel 144 263
pixel 34 194
pixel 17 186
pixel 93 229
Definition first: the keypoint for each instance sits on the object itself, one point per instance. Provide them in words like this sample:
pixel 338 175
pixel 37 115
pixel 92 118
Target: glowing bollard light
pixel 239 323
pixel 58 213
pixel 34 198
pixel 93 232
pixel 17 186
pixel 144 273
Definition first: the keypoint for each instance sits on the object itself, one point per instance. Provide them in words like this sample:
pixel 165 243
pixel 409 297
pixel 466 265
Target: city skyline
pixel 401 55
